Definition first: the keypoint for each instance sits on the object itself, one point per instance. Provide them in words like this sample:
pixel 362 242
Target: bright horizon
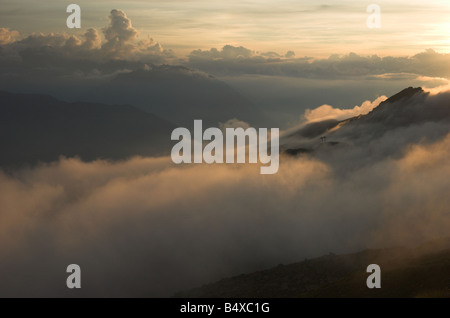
pixel 309 28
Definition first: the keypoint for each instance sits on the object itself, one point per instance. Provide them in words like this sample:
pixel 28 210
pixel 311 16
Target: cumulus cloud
pixel 120 29
pixel 121 42
pixel 228 52
pixel 233 60
pixel 234 123
pixel 280 84
pixel 58 45
pixel 7 36
pixel 119 34
pixel 93 40
pixel 67 66
pixel 325 112
pixel 150 46
pixel 290 54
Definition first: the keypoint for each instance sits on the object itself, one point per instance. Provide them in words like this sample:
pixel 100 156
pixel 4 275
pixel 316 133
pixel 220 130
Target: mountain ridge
pixel 344 276
pixel 411 107
pixel 180 95
pixel 40 128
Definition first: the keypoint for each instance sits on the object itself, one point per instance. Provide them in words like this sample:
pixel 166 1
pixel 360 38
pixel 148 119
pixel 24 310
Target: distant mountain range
pixel 37 128
pixel 178 94
pixel 422 271
pixel 175 93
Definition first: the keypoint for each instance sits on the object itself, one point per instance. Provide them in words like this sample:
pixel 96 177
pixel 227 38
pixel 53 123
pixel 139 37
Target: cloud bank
pixel 120 43
pixel 145 227
pixel 411 117
pixel 326 112
pixel 7 36
pixel 232 60
pixel 282 84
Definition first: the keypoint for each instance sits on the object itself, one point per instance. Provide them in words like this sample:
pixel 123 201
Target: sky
pixel 309 28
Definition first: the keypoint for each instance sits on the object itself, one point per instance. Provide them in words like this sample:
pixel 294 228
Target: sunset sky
pixel 308 27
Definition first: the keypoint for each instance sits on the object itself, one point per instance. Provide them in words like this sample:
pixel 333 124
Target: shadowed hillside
pixel 423 271
pixel 41 128
pixel 178 94
pixel 409 117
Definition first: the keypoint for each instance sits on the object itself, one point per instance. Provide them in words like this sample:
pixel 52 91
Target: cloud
pixel 59 45
pixel 119 34
pixel 154 228
pixel 411 117
pixel 228 52
pixel 68 66
pixel 238 60
pixel 120 29
pixel 150 46
pixel 234 123
pixel 325 112
pixel 289 54
pixel 417 196
pixel 7 36
pixel 93 40
pixel 121 43
pixel 233 60
pixel 145 227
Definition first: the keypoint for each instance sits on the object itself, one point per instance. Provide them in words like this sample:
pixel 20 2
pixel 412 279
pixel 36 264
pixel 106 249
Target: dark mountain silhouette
pixel 404 108
pixel 178 94
pixel 41 128
pixel 406 93
pixel 412 109
pixel 422 271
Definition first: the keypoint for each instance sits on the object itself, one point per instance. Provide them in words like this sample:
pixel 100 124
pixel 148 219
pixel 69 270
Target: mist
pixel 146 227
